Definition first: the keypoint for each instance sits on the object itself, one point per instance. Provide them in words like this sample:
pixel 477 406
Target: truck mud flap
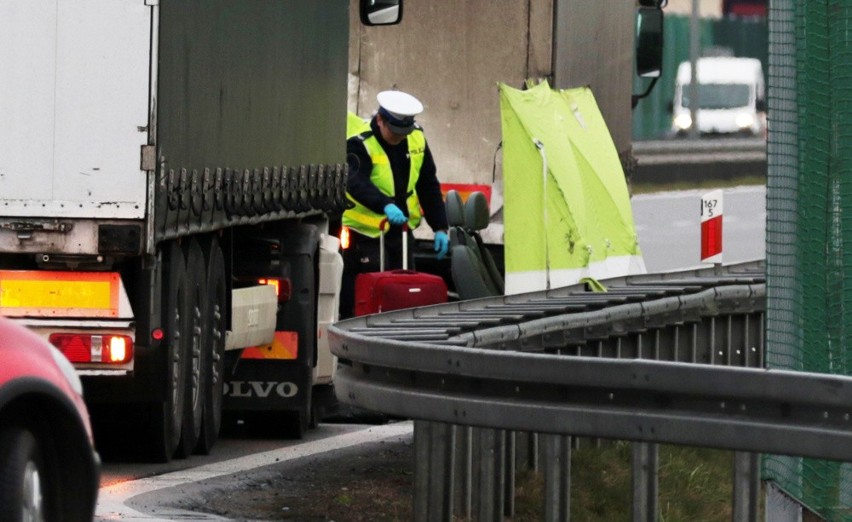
pixel 267 385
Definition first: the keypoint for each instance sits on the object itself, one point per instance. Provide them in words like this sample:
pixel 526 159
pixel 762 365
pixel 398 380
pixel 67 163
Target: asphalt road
pixel 669 227
pixel 163 492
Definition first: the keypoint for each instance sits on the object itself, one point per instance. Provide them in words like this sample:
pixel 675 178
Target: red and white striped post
pixel 711 227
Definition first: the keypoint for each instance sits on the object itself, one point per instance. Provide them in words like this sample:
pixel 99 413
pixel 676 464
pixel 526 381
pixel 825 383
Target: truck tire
pixel 167 416
pixel 22 483
pixel 197 348
pixel 216 321
pixel 297 423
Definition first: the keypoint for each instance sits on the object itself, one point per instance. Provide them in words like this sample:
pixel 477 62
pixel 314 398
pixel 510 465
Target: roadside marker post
pixel 711 227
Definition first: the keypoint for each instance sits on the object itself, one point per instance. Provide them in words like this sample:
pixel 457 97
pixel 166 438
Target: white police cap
pixel 399 109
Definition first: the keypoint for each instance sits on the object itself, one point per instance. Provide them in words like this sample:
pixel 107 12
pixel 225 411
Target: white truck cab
pixel 730 97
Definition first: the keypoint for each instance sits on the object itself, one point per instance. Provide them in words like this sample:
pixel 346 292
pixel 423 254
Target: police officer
pixel 391 177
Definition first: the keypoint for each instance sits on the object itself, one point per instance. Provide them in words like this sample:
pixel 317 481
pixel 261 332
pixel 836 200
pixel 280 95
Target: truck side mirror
pixel 649 48
pixel 381 12
pixel 760 106
pixel 649 42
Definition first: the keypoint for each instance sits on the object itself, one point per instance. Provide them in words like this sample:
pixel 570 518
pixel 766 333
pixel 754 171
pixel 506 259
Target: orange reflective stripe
pixel 59 294
pixel 285 345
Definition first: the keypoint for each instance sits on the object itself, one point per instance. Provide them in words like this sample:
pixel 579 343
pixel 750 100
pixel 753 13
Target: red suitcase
pixel 394 289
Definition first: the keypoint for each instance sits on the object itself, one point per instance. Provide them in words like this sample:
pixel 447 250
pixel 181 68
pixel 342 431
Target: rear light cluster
pixel 283 288
pixel 94 348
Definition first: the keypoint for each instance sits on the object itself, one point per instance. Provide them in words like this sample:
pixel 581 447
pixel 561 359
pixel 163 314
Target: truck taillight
pixel 85 348
pixel 282 287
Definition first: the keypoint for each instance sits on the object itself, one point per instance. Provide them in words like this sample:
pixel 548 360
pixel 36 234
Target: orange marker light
pixel 274 283
pixel 283 288
pixel 344 237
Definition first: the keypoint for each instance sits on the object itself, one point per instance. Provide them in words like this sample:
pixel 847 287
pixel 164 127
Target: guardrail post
pixel 509 461
pixel 462 462
pixel 746 486
pixel 489 461
pixel 433 473
pixel 646 461
pixel 557 477
pixel 527 450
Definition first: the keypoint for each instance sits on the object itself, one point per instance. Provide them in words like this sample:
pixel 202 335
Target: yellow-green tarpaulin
pixel 355 124
pixel 567 211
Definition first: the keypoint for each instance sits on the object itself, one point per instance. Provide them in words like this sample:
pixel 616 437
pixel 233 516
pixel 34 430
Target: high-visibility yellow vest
pixel 364 220
pixel 355 125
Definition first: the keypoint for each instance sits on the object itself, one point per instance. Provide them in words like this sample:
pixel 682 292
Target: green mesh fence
pixel 809 220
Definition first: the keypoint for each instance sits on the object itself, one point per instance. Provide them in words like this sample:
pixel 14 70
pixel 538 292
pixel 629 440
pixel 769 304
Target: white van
pixel 731 97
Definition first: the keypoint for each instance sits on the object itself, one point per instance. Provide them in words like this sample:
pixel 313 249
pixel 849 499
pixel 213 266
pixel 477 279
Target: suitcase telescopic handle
pixel 382 224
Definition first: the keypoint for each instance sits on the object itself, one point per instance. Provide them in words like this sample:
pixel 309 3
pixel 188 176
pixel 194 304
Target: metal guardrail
pixel 684 160
pixel 701 145
pixel 662 358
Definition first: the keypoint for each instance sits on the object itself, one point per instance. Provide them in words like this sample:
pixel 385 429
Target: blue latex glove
pixel 394 214
pixel 442 243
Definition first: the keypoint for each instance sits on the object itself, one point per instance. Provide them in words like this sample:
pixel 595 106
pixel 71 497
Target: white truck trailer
pixel 167 169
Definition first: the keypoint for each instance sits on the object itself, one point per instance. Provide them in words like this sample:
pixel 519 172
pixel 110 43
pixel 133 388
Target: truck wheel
pixel 216 324
pixel 323 402
pixel 299 423
pixel 316 414
pixel 167 416
pixel 292 424
pixel 197 349
pixel 22 483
